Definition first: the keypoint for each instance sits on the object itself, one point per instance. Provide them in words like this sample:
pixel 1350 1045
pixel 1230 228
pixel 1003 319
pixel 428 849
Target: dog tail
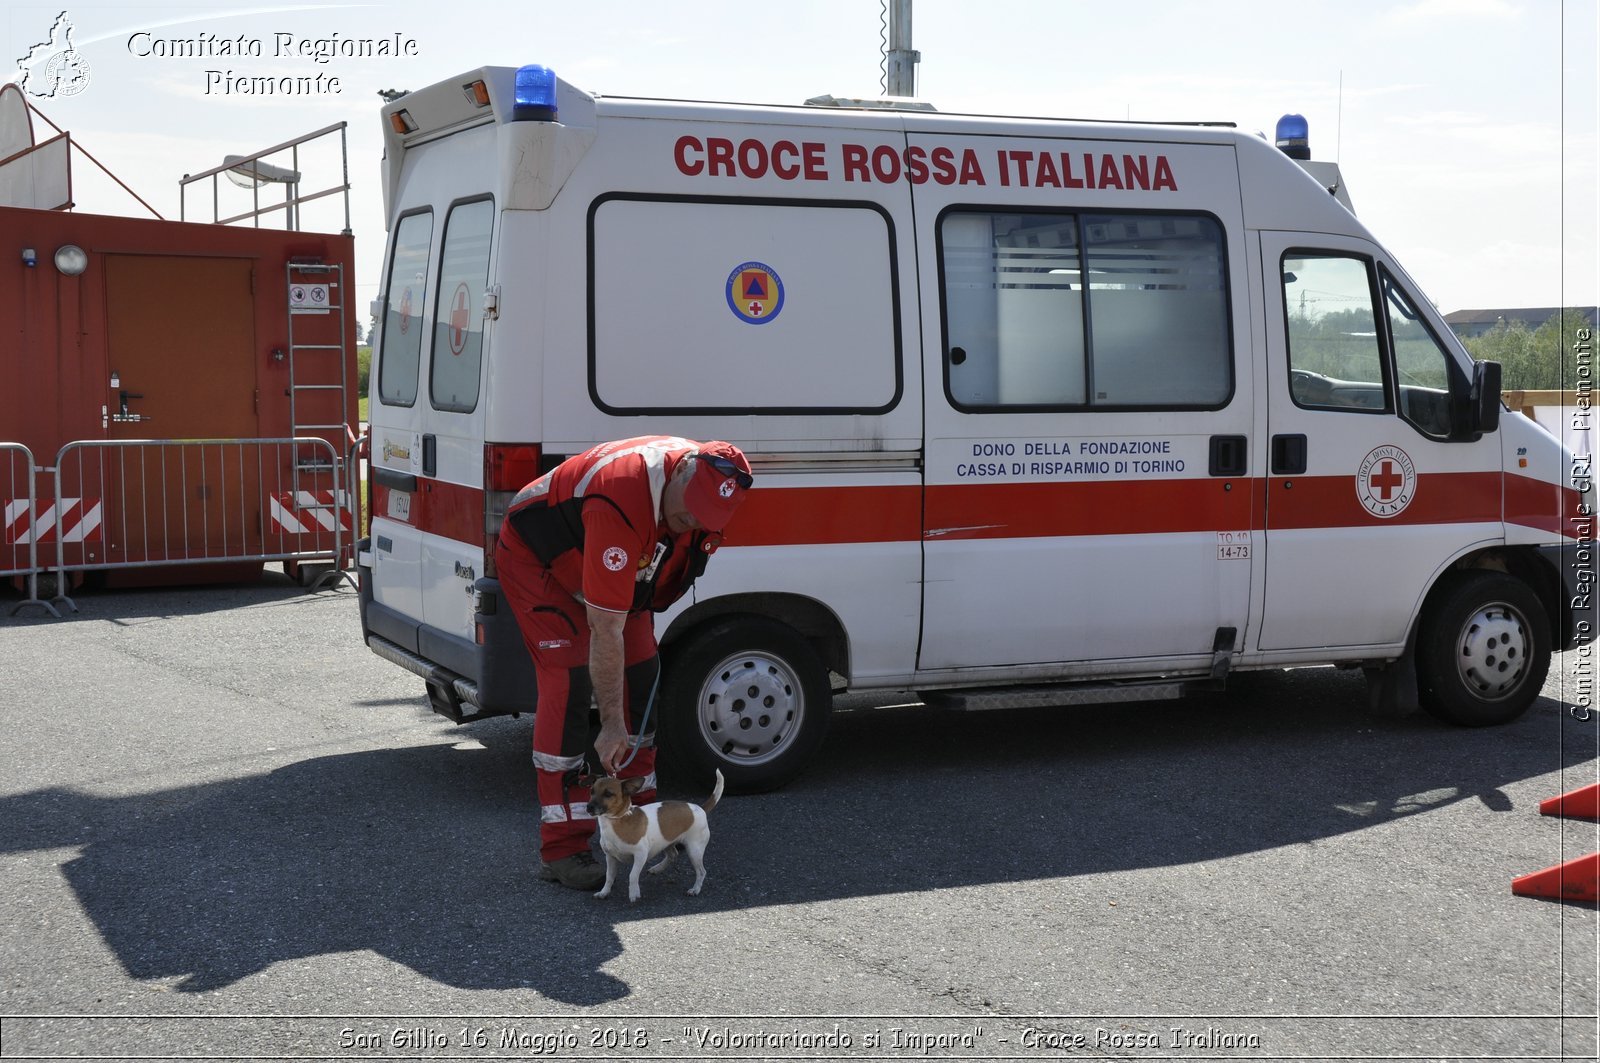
pixel 716 795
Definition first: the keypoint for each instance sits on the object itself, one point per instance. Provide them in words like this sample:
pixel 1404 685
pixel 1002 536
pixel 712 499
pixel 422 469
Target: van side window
pixel 1158 311
pixel 1014 309
pixel 1335 350
pixel 457 360
pixel 1421 364
pixel 1150 329
pixel 401 351
pixel 736 306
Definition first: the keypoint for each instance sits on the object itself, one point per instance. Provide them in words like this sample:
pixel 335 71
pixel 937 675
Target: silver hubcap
pixel 750 707
pixel 1493 651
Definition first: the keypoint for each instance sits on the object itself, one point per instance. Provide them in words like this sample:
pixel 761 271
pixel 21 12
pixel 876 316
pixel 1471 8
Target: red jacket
pixel 595 522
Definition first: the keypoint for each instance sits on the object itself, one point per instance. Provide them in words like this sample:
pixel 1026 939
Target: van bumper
pixel 465 680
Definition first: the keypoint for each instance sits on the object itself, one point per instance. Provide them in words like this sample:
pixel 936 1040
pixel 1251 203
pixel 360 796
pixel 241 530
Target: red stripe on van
pixel 1028 510
pixel 1546 506
pixel 1331 501
pixel 781 516
pixel 771 516
pixel 453 511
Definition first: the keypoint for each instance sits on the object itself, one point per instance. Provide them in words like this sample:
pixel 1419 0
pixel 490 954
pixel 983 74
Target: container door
pixel 182 366
pixel 1090 411
pixel 1368 495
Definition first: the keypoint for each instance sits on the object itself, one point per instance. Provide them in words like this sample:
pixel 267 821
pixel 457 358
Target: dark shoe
pixel 580 871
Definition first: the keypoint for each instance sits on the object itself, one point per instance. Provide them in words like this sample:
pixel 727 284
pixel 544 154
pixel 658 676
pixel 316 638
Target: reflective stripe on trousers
pixel 580 810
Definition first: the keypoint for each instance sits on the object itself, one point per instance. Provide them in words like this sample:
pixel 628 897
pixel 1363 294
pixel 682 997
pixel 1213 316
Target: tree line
pixel 1541 359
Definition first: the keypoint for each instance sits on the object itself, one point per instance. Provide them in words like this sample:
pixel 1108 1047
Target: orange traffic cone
pixel 1583 803
pixel 1575 880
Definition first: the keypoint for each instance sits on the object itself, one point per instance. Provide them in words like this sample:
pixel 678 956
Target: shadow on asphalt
pixel 426 854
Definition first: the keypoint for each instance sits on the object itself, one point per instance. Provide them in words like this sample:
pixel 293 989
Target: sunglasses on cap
pixel 726 467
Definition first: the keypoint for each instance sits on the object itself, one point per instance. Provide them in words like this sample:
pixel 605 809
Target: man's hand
pixel 612 746
pixel 605 671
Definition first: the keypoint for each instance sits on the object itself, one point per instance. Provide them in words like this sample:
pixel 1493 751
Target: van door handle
pixel 1229 455
pixel 430 455
pixel 1289 455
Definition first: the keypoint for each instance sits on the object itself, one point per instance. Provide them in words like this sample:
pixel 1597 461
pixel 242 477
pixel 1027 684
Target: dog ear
pixel 633 785
pixel 586 781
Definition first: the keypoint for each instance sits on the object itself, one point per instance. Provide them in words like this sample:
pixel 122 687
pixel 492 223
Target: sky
pixel 1466 129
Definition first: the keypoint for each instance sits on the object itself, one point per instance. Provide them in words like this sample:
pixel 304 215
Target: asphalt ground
pixel 227 830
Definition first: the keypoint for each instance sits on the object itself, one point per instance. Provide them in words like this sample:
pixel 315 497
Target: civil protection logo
pixel 54 67
pixel 755 293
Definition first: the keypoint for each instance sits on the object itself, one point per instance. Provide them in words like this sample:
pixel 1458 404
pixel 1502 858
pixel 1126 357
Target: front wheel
pixel 1483 650
pixel 748 697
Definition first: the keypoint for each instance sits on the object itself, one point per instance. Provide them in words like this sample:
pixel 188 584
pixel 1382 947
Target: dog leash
pixel 636 742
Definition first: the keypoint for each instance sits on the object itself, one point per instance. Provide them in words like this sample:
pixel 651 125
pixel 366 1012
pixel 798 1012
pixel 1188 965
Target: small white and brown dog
pixel 641 832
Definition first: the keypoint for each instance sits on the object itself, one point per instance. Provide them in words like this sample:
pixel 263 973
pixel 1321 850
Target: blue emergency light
pixel 1294 136
pixel 535 94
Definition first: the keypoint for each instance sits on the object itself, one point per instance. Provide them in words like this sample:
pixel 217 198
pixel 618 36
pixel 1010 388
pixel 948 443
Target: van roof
pixel 449 105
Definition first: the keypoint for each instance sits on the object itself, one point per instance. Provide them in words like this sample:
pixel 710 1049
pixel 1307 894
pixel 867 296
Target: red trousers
pixel 555 627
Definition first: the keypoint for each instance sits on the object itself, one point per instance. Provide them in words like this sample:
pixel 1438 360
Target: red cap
pixel 715 493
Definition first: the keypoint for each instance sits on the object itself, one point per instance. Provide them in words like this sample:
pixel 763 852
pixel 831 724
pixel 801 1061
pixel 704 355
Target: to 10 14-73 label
pixel 1233 546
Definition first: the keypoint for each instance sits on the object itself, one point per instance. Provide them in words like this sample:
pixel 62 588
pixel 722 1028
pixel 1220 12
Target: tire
pixel 1483 650
pixel 745 696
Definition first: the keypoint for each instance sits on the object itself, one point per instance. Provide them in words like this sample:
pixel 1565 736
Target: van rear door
pixel 451 414
pixel 396 422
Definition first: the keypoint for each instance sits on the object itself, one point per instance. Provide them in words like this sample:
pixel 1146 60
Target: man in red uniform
pixel 585 553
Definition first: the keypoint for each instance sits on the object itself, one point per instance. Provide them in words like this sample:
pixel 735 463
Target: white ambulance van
pixel 1039 411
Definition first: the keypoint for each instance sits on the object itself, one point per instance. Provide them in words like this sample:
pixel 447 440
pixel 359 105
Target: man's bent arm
pixel 605 672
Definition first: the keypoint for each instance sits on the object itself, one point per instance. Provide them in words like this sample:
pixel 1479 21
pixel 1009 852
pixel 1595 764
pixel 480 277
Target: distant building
pixel 1469 323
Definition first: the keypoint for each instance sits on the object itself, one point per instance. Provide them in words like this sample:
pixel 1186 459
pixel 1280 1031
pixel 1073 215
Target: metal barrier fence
pixel 144 503
pixel 19 555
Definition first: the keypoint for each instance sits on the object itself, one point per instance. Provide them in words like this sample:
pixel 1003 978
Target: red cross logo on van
pixel 459 307
pixel 1386 482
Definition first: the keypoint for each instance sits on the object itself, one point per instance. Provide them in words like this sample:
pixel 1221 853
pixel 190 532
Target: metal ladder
pixel 317 294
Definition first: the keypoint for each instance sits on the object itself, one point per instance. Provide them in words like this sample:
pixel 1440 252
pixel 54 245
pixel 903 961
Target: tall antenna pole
pixel 1338 136
pixel 902 69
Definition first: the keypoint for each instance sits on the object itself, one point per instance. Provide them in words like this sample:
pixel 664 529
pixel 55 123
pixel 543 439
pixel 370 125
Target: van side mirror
pixel 1484 408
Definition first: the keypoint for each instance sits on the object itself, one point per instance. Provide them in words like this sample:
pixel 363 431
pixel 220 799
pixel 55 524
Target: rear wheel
pixel 745 696
pixel 1483 650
